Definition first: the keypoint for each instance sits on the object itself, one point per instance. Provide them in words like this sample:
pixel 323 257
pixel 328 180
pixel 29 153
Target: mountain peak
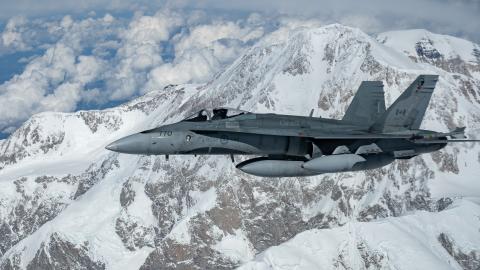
pixel 446 52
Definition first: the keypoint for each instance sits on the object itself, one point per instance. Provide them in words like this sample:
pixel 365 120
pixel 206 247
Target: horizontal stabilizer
pixel 423 141
pixel 458 133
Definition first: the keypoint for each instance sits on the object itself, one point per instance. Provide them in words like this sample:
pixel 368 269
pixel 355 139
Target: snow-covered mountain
pixel 67 203
pixel 446 52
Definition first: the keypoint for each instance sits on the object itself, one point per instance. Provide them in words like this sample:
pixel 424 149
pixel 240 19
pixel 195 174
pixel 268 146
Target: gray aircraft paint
pixel 368 136
pixel 367 105
pixel 333 163
pixel 408 110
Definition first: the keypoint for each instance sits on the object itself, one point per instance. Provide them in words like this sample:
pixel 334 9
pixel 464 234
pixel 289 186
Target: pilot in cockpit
pixel 202 116
pixel 219 114
pixel 215 114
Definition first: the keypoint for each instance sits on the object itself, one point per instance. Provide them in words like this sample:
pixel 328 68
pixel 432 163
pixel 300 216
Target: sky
pixel 70 55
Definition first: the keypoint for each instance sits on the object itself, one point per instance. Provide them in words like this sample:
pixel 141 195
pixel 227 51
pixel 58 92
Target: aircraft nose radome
pixel 133 144
pixel 112 147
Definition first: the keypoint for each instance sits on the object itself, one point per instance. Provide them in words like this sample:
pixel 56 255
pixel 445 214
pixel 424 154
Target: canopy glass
pixel 214 114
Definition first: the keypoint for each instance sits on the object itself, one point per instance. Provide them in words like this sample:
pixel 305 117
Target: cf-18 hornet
pixel 369 136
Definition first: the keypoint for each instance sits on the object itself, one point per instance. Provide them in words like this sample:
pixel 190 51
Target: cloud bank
pixel 98 60
pixel 107 52
pixel 456 17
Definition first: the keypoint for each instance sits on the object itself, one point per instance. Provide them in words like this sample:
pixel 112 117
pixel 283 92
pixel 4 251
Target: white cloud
pixel 88 69
pixel 452 16
pixel 66 22
pixel 12 34
pixel 140 52
pixel 52 82
pixel 206 34
pixel 203 51
pixel 225 39
pixel 63 99
pixel 102 58
pixel 286 26
pixel 196 65
pixel 97 60
pixel 141 41
pixel 363 22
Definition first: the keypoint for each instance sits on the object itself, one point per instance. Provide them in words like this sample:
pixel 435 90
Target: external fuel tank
pixel 325 164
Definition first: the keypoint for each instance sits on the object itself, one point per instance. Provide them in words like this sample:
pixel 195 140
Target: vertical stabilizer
pixel 408 110
pixel 367 105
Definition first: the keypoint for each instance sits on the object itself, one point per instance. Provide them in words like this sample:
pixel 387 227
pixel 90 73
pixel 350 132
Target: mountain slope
pixel 62 191
pixel 416 245
pixel 449 53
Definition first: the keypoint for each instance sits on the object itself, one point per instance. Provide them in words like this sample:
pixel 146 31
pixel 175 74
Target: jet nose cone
pixel 133 144
pixel 112 147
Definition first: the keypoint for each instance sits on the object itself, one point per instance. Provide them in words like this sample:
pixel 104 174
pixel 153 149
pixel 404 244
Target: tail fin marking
pixel 408 110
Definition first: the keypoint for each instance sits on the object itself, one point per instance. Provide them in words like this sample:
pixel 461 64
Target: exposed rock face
pixel 451 54
pixel 59 253
pixel 372 259
pixel 427 53
pixel 172 255
pixel 94 119
pixel 32 210
pixel 30 139
pixel 425 50
pixel 66 203
pixel 94 174
pixel 469 260
pixel 133 235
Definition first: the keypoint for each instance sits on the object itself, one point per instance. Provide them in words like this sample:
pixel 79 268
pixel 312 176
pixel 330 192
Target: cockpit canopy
pixel 214 114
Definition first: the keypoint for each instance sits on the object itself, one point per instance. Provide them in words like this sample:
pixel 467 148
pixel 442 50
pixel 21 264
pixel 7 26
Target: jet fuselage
pixel 369 136
pixel 287 154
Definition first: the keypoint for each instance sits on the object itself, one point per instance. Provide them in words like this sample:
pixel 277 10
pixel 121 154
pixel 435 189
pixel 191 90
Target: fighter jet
pixel 369 136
